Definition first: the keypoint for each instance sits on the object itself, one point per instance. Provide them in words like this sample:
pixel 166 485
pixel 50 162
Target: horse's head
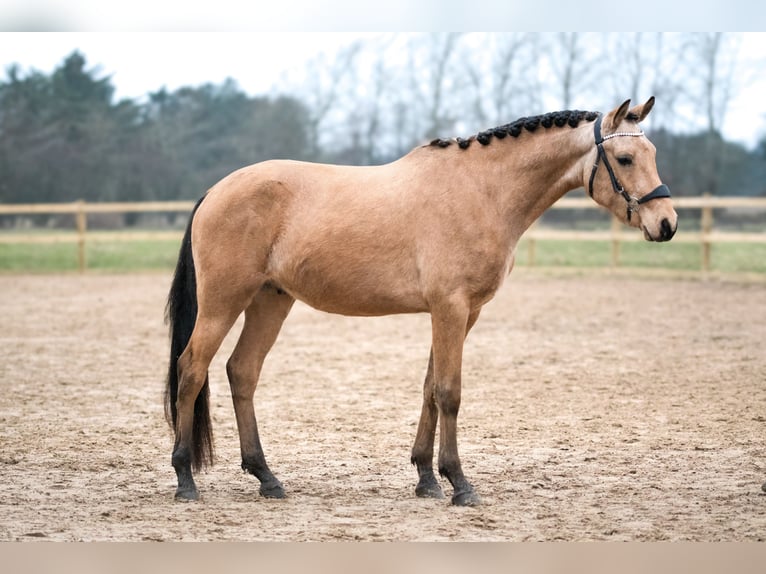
pixel 623 177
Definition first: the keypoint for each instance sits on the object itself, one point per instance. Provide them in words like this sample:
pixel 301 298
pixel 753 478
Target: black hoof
pixel 187 494
pixel 763 487
pixel 429 489
pixel 466 498
pixel 272 490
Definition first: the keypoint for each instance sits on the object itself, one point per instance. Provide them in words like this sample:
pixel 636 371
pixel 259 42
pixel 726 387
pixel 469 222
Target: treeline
pixel 63 136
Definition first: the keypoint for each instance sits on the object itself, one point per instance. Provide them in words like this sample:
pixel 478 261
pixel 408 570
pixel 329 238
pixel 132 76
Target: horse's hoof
pixel 466 498
pixel 429 491
pixel 187 494
pixel 763 487
pixel 272 490
pixel 428 487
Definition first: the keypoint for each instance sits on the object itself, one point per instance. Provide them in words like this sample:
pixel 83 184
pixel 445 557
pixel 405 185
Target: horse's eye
pixel 624 160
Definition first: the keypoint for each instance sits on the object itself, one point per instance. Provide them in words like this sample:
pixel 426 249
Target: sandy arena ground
pixel 595 407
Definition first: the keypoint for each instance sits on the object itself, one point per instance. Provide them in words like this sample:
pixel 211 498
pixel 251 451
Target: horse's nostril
pixel 666 230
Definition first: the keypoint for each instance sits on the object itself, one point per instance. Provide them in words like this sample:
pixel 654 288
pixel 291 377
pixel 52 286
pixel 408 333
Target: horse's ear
pixel 615 117
pixel 641 112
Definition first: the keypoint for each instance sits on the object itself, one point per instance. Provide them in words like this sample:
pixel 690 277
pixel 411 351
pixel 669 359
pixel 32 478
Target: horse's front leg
pixel 450 324
pixel 423 449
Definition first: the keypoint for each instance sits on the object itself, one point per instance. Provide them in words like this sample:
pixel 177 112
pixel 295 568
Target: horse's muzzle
pixel 666 232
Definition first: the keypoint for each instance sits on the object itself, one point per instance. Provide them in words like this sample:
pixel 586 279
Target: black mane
pixel 571 118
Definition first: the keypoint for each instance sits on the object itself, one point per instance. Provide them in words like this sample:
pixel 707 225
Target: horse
pixel 432 232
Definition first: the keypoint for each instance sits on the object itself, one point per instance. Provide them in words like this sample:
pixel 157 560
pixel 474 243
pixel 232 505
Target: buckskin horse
pixel 433 232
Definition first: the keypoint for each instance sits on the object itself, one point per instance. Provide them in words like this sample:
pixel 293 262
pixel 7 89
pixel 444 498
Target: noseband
pixel 633 202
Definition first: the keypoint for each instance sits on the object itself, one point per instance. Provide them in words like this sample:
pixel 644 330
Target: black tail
pixel 180 315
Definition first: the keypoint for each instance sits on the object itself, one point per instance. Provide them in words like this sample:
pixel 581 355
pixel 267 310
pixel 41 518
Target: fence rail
pixel 617 233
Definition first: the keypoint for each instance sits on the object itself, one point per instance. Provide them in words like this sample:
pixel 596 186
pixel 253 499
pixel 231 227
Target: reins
pixel 661 191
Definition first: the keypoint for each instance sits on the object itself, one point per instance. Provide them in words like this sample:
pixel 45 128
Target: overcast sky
pixel 390 15
pixel 142 62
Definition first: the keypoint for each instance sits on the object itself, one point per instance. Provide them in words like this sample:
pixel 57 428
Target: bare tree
pixel 433 81
pixel 575 65
pixel 368 110
pixel 714 59
pixel 323 88
pixel 629 57
pixel 666 62
pixel 502 82
pixel 713 56
pixel 643 64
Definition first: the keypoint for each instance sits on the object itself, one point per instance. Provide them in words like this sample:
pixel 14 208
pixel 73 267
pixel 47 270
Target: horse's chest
pixel 485 275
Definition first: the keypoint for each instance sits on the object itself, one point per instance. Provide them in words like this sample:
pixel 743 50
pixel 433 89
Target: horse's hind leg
pixel 263 320
pixel 209 332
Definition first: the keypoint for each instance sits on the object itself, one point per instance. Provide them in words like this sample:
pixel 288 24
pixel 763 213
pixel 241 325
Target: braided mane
pixel 571 118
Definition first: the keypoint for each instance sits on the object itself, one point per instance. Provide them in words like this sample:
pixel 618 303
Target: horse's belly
pixel 363 307
pixel 356 301
pixel 352 287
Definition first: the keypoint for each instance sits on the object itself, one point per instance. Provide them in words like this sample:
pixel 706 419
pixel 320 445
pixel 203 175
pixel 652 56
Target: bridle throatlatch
pixel 658 192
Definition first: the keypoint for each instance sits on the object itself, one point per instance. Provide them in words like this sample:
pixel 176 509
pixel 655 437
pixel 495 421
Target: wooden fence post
pixel 706 227
pixel 616 228
pixel 82 227
pixel 531 246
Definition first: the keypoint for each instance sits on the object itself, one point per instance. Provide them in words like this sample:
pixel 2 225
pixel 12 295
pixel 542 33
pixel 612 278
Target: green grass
pixel 127 256
pixel 120 256
pixel 725 257
pixel 133 255
pixel 34 257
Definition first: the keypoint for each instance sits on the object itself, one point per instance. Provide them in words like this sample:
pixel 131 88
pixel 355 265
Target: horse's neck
pixel 543 167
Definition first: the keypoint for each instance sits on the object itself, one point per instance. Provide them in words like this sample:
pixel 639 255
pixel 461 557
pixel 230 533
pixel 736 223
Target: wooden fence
pixel 617 233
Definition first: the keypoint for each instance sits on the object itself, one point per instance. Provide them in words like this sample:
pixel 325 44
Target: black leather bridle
pixel 661 191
